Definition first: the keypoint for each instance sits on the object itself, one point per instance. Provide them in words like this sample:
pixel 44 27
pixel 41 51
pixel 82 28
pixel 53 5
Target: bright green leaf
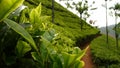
pixel 68 59
pixel 35 14
pixel 76 50
pixel 7 6
pixel 72 59
pixel 38 9
pixel 81 54
pixel 79 64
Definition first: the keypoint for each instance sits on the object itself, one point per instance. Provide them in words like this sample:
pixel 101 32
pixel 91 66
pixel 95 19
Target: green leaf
pixel 82 53
pixel 43 49
pixel 17 12
pixel 76 50
pixel 38 9
pixel 68 59
pixel 8 6
pixel 35 14
pixel 24 15
pixel 38 58
pixel 49 35
pixel 20 30
pixel 79 64
pixel 56 59
pixel 72 59
pixel 22 48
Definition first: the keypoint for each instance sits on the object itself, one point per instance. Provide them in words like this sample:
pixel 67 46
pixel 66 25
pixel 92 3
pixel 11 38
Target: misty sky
pixel 99 14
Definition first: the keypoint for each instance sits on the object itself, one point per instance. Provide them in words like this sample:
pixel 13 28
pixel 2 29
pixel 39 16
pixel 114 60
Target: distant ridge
pixel 111 32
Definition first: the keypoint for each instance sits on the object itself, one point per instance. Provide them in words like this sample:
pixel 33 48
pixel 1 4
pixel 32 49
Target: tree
pixel 118 28
pixel 106 22
pixel 106 7
pixel 67 3
pixel 82 8
pixel 116 9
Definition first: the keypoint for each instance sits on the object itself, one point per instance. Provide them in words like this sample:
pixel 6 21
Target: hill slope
pixel 105 54
pixel 66 22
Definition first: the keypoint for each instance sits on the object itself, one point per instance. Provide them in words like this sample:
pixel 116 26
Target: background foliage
pixel 104 54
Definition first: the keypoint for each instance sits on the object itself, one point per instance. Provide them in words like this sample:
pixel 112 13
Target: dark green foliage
pixel 103 55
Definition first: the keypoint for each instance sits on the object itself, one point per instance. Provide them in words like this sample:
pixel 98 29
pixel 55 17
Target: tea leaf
pixel 8 6
pixel 20 30
pixel 22 48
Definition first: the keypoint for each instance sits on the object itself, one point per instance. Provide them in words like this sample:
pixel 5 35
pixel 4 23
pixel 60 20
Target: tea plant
pixel 103 55
pixel 29 41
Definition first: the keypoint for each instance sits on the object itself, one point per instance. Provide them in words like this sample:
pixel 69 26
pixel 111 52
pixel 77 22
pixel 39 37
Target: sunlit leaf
pixel 68 59
pixel 71 60
pixel 79 64
pixel 76 50
pixel 35 14
pixel 7 6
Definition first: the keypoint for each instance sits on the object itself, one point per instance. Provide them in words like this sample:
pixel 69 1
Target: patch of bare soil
pixel 87 58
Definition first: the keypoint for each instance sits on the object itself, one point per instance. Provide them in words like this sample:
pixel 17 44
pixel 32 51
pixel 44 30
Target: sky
pixel 98 15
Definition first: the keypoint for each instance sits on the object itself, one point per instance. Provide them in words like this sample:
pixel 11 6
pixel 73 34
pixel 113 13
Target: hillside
pixel 66 22
pixel 105 54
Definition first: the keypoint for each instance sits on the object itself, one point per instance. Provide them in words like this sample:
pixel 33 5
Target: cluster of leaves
pixel 105 55
pixel 116 9
pixel 66 23
pixel 28 40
